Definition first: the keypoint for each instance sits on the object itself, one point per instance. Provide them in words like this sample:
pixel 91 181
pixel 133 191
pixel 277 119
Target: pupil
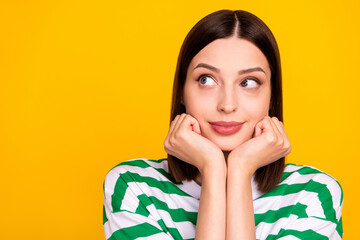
pixel 203 80
pixel 244 83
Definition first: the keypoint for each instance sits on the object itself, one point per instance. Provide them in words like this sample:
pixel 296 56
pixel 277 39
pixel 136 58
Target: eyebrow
pixel 249 70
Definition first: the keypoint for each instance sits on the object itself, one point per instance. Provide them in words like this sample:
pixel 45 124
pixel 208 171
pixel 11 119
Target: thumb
pixel 195 126
pixel 192 124
pixel 258 129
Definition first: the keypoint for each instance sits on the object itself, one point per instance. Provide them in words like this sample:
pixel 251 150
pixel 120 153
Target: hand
pixel 185 142
pixel 270 143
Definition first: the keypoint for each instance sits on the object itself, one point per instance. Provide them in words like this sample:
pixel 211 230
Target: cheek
pixel 197 104
pixel 197 109
pixel 255 111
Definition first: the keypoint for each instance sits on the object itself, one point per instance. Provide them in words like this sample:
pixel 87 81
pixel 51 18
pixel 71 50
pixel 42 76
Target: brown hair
pixel 223 24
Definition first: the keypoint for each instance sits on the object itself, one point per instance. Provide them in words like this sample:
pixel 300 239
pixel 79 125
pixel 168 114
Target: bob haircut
pixel 224 24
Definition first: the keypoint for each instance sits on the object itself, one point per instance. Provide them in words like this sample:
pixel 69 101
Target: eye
pixel 206 80
pixel 250 83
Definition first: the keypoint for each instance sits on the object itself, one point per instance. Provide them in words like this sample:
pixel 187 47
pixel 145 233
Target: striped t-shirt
pixel 141 201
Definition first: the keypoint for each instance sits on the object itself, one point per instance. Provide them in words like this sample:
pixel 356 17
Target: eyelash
pixel 254 79
pixel 205 75
pixel 248 78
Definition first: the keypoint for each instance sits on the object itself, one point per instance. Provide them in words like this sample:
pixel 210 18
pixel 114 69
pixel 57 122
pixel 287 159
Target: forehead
pixel 231 54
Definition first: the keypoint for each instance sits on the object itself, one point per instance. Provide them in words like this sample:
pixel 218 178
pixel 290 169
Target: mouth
pixel 226 128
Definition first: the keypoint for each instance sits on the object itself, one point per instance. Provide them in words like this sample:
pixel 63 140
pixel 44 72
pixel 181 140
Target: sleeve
pixel 322 218
pixel 125 216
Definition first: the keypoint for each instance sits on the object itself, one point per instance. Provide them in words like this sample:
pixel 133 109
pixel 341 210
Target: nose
pixel 227 101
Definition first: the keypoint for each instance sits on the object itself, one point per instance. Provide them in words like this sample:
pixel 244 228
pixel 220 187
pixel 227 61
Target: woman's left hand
pixel 270 143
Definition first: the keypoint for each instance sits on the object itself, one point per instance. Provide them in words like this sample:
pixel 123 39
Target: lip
pixel 226 128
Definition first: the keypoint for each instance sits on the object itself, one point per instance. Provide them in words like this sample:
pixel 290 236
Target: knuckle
pixel 166 143
pixel 166 148
pixel 178 135
pixel 281 142
pixel 289 150
pixel 271 138
pixel 171 142
pixel 175 136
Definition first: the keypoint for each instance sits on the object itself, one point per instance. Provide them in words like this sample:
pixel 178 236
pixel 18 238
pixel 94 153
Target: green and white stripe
pixel 141 201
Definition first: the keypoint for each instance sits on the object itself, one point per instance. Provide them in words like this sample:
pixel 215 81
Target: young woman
pixel 225 176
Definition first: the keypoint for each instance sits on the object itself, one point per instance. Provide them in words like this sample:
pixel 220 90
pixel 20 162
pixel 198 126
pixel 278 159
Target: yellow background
pixel 85 85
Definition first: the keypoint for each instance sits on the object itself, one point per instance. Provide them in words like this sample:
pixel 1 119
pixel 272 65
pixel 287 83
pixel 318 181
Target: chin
pixel 227 149
pixel 227 145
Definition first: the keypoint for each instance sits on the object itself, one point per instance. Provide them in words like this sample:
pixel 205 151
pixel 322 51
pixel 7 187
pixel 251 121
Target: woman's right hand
pixel 185 142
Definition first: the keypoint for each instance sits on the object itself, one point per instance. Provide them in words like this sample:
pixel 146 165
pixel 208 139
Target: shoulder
pixel 138 169
pixel 132 178
pixel 310 178
pixel 142 163
pixel 314 187
pixel 140 180
pixel 309 202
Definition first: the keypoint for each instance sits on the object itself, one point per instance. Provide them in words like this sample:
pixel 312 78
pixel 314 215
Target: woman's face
pixel 227 89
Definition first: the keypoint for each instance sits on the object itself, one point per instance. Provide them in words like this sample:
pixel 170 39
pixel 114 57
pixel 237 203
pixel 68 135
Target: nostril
pixel 227 100
pixel 227 108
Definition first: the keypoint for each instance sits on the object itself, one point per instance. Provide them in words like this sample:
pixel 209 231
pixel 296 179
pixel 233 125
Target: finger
pixel 285 143
pixel 192 123
pixel 167 141
pixel 179 122
pixel 258 130
pixel 275 128
pixel 173 123
pixel 269 129
pixel 281 128
pixel 264 125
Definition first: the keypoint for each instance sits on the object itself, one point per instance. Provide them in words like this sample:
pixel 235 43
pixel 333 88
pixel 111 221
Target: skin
pixel 216 90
